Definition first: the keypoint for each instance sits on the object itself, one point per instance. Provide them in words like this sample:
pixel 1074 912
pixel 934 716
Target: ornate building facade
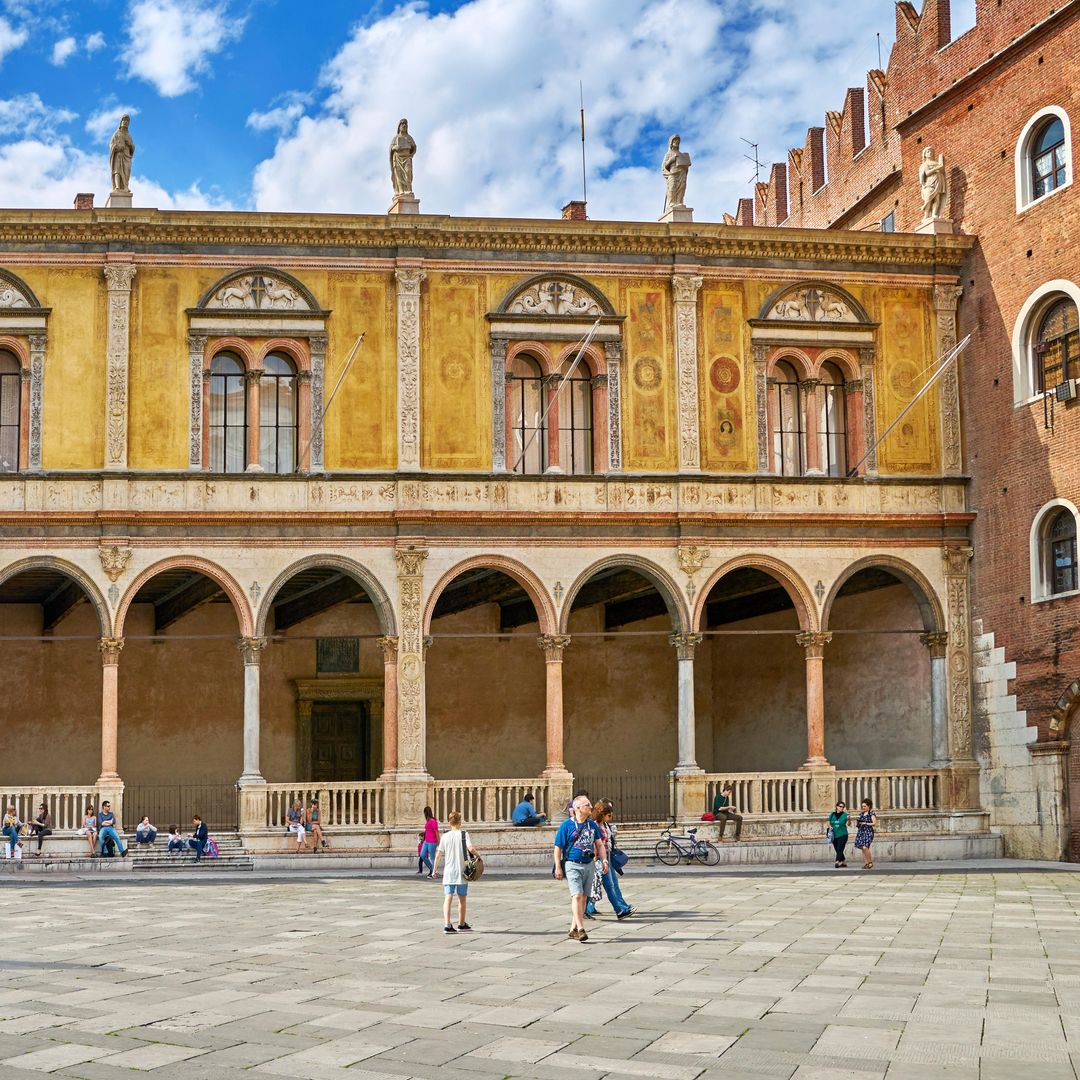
pixel 335 504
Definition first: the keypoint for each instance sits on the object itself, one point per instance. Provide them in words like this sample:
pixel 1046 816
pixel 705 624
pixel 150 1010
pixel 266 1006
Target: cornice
pixel 134 231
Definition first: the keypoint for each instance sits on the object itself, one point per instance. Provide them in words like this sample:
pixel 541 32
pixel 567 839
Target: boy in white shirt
pixel 451 850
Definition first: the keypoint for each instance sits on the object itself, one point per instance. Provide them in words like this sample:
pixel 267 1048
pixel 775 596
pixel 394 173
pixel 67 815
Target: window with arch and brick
pixel 1054 570
pixel 1043 157
pixel 1046 340
pixel 11 390
pixel 258 409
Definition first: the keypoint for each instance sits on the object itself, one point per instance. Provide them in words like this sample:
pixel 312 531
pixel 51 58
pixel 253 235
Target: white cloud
pixel 170 42
pixel 63 50
pixel 10 38
pixel 94 42
pixel 104 122
pixel 27 115
pixel 282 116
pixel 491 95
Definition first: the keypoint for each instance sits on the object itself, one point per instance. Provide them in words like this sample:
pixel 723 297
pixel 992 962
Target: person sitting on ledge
pixel 145 833
pixel 176 839
pixel 525 812
pixel 107 834
pixel 200 836
pixel 41 826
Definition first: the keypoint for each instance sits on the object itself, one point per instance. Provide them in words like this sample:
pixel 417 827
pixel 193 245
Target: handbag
pixel 829 835
pixel 619 859
pixel 573 841
pixel 473 868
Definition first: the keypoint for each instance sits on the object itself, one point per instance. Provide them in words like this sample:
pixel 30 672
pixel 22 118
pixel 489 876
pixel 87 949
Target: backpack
pixel 211 850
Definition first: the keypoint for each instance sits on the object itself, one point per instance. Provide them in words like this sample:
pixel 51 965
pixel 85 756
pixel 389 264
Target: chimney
pixel 84 200
pixel 745 213
pixel 574 210
pixel 776 209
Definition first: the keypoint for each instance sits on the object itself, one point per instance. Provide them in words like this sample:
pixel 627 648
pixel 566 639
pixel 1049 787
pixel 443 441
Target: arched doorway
pixel 52 619
pixel 485 675
pixel 621 686
pixel 329 632
pixel 878 686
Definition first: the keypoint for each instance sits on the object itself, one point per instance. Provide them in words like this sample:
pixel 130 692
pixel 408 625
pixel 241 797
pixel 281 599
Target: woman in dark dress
pixel 864 836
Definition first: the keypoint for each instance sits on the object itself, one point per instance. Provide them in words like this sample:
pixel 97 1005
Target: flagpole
pixel 330 399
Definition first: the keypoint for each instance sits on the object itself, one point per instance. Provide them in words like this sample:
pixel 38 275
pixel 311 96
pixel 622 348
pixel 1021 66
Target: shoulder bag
pixel 473 865
pixel 617 858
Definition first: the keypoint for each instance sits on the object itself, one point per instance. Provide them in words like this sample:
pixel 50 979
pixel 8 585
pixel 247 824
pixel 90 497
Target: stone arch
pixel 601 301
pixel 798 359
pixel 533 586
pixel 296 349
pixel 790 581
pixel 293 283
pixel 80 577
pixel 786 292
pixel 930 608
pixel 536 350
pixel 363 577
pixel 842 358
pixel 660 579
pixel 1064 711
pixel 195 563
pixel 592 360
pixel 241 348
pixel 16 294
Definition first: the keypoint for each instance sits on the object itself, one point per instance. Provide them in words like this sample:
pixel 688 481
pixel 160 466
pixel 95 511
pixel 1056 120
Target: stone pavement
pixel 857 975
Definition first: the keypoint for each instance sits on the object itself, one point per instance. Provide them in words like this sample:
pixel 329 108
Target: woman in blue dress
pixel 864 836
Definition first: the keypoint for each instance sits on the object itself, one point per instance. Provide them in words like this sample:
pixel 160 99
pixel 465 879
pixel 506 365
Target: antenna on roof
pixel 757 164
pixel 584 188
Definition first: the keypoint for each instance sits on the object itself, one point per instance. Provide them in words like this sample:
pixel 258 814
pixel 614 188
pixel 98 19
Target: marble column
pixel 613 355
pixel 813 643
pixel 866 369
pixel 498 404
pixel 761 406
pixel 254 414
pixel 389 646
pixel 552 646
pixel 196 376
pixel 409 280
pixel 250 648
pixel 118 278
pixel 37 394
pixel 684 645
pixel 809 388
pixel 110 670
pixel 685 288
pixel 937 644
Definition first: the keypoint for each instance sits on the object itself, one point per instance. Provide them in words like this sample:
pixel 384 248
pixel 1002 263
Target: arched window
pixel 1057 347
pixel 278 415
pixel 1059 553
pixel 525 397
pixel 10 411
pixel 789 436
pixel 1048 166
pixel 228 415
pixel 832 421
pixel 575 421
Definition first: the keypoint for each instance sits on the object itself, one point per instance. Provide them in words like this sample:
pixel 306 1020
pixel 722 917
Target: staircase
pixel 158 859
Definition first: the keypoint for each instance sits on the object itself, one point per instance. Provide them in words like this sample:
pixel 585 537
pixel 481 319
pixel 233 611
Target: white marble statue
pixel 402 151
pixel 121 151
pixel 932 185
pixel 676 166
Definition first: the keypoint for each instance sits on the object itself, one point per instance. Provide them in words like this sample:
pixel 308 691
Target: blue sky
pixel 277 105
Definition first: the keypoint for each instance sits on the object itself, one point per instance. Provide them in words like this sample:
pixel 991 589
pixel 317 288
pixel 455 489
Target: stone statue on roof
pixel 402 151
pixel 932 185
pixel 121 151
pixel 676 166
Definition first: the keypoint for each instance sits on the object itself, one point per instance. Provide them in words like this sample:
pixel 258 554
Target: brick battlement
pixel 858 150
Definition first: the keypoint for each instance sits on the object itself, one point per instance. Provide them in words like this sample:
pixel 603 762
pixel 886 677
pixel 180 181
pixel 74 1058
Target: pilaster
pixel 946 298
pixel 196 376
pixel 118 278
pixel 409 280
pixel 316 452
pixel 498 404
pixel 412 750
pixel 866 368
pixel 959 653
pixel 37 397
pixel 613 356
pixel 685 288
pixel 761 406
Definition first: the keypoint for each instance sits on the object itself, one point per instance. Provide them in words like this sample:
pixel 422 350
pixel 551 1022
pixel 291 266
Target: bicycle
pixel 670 849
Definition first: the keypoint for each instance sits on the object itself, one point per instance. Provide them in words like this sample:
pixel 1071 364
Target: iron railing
pixel 174 804
pixel 635 797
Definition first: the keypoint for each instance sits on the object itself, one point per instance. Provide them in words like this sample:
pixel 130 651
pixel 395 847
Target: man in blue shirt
pixel 579 845
pixel 106 821
pixel 525 813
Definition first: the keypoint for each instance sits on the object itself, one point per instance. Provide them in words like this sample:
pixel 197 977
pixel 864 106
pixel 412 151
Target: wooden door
pixel 339 741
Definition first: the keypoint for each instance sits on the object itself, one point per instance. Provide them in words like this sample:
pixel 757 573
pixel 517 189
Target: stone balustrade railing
pixel 358 805
pixel 487 801
pixel 66 804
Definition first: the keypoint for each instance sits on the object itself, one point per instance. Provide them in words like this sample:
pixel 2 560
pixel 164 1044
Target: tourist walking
pixel 89 829
pixel 579 845
pixel 295 823
pixel 41 826
pixel 431 840
pixel 451 850
pixel 607 881
pixel 838 833
pixel 723 809
pixel 106 830
pixel 314 826
pixel 864 835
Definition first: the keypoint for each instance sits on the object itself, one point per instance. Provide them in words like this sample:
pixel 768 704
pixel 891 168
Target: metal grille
pixel 636 798
pixel 174 804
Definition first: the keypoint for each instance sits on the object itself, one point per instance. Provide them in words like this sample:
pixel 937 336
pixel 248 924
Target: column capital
pixel 118 277
pixel 253 376
pixel 428 642
pixel 867 355
pixel 552 646
pixel 853 386
pixel 685 644
pixel 410 561
pixel 761 353
pixel 110 650
pixel 937 643
pixel 809 384
pixel 613 351
pixel 956 560
pixel 409 279
pixel 250 647
pixel 389 646
pixel 25 374
pixel 303 376
pixel 686 287
pixel 814 642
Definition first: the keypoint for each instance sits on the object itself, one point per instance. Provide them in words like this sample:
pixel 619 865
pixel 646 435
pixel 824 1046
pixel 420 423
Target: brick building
pixel 998 102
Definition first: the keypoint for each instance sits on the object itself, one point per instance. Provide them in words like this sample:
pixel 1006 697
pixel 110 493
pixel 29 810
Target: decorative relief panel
pixel 37 400
pixel 946 298
pixel 408 356
pixel 196 361
pixel 959 652
pixel 411 721
pixel 812 304
pixel 651 439
pixel 727 383
pixel 685 289
pixel 554 297
pixel 11 296
pixel 118 279
pixel 259 291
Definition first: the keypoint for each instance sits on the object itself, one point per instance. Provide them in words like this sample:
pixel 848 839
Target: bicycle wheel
pixel 707 853
pixel 668 852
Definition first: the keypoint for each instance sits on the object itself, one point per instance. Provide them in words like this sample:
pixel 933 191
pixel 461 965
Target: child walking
pixel 420 861
pixel 451 850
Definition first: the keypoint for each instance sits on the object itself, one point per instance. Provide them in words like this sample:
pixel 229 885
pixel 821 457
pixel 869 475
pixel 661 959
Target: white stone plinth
pixel 937 226
pixel 405 204
pixel 679 214
pixel 119 200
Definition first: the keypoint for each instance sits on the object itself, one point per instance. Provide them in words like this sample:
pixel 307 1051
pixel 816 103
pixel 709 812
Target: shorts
pixel 579 876
pixel 461 890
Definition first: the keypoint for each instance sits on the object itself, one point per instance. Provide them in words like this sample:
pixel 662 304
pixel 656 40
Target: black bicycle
pixel 671 849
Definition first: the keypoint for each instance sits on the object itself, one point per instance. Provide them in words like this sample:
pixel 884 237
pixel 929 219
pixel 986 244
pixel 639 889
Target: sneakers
pixel 575 934
pixel 448 929
pixel 463 926
pixel 625 914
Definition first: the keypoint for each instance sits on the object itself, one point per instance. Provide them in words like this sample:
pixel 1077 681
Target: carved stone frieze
pixel 613 356
pixel 118 278
pixel 553 297
pixel 946 298
pixel 685 288
pixel 317 347
pixel 959 651
pixel 814 304
pixel 410 567
pixel 196 375
pixel 258 292
pixel 37 400
pixel 761 407
pixel 866 367
pixel 409 280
